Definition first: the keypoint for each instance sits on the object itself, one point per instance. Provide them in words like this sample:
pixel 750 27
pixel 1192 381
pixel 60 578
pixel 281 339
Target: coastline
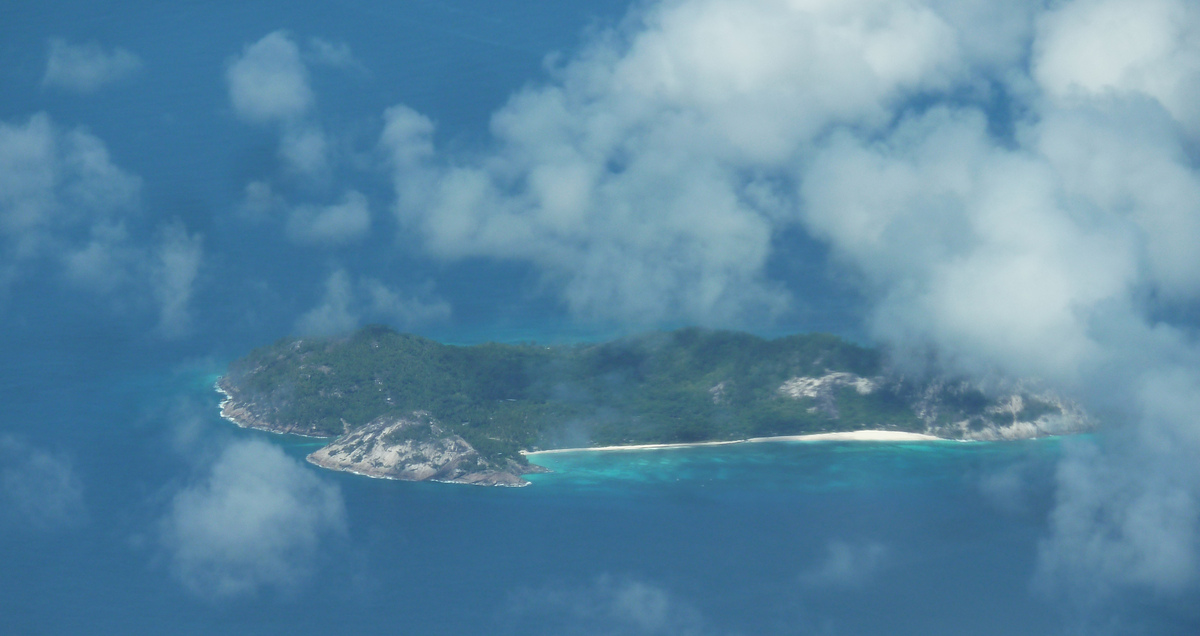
pixel 869 435
pixel 360 473
pixel 221 408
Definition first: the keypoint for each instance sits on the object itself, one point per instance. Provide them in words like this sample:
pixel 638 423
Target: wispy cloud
pixel 255 521
pixel 87 67
pixel 847 565
pixel 39 490
pixel 177 260
pixel 66 205
pixel 321 51
pixel 609 605
pixel 337 223
pixel 346 303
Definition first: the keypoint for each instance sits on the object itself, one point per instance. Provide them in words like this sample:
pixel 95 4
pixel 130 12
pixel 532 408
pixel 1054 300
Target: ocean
pixel 767 538
pixel 130 507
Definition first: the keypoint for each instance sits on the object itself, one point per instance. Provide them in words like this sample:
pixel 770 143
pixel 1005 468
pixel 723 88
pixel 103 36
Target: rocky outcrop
pixel 416 448
pixel 821 389
pixel 411 448
pixel 1020 416
pixel 955 409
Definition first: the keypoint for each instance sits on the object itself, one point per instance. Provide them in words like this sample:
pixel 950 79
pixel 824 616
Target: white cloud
pixel 977 248
pixel 1087 49
pixel 1035 260
pixel 346 304
pixel 992 37
pixel 1123 157
pixel 86 67
pixel 847 565
pixel 636 180
pixel 334 224
pixel 255 521
pixel 38 490
pixel 268 83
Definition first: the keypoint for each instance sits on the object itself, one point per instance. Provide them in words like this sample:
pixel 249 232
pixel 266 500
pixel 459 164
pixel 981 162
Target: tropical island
pixel 401 406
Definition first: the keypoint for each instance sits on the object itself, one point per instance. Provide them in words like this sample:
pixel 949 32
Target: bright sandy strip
pixel 853 436
pixel 848 436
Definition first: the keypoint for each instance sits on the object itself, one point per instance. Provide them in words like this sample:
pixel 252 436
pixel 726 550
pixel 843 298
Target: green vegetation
pixel 682 386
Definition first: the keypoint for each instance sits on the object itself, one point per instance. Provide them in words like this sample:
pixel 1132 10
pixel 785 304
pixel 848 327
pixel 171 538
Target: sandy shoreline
pixel 846 436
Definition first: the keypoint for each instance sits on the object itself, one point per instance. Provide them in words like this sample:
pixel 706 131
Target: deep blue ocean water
pixel 780 538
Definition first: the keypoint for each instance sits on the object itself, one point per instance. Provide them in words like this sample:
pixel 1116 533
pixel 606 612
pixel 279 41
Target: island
pixel 400 406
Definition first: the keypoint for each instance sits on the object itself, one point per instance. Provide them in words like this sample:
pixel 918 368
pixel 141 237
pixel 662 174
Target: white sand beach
pixel 846 436
pixel 853 436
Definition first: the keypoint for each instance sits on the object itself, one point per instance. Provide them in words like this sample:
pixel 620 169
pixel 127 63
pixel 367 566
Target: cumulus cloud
pixel 1014 186
pixel 609 605
pixel 268 83
pixel 39 490
pixel 86 67
pixel 255 521
pixel 976 248
pixel 1037 259
pixel 347 303
pixel 1087 49
pixel 334 224
pixel 637 180
pixel 847 565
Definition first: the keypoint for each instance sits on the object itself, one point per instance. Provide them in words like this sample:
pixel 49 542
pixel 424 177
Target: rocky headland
pixel 416 448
